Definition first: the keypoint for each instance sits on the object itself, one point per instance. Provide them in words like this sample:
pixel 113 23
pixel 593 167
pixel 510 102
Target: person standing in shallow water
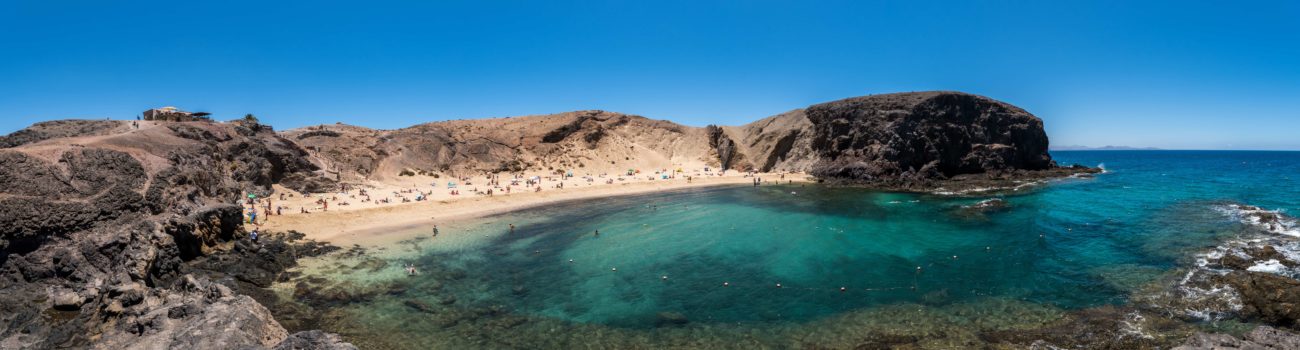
pixel 512 228
pixel 596 234
pixel 435 230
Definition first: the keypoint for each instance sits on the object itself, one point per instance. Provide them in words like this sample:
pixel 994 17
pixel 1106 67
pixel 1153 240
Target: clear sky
pixel 1178 74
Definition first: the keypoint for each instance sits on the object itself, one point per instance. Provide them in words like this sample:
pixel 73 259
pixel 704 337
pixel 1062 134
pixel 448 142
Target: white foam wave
pixel 1272 221
pixel 1270 266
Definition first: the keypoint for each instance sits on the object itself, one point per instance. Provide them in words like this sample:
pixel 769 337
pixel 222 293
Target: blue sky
pixel 1192 75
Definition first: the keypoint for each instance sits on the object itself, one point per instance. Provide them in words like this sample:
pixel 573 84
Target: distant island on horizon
pixel 1102 148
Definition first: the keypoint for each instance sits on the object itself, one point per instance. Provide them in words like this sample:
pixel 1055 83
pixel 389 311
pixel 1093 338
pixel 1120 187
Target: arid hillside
pixel 905 140
pixel 581 142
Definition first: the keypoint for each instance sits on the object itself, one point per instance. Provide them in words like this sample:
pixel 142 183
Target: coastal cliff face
pixel 932 135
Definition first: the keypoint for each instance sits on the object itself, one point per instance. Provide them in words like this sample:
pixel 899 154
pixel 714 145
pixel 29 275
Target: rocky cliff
pixel 924 135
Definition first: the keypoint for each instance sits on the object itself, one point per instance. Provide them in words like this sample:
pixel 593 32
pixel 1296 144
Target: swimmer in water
pixel 596 234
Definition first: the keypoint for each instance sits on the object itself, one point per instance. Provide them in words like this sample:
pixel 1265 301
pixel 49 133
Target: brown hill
pixel 584 141
pixel 905 140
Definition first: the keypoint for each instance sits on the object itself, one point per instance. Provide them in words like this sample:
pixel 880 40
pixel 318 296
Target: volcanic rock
pixel 1266 297
pixel 1261 338
pixel 315 340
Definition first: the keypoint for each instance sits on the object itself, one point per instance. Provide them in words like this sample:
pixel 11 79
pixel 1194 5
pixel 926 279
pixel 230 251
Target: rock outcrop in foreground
pixel 102 223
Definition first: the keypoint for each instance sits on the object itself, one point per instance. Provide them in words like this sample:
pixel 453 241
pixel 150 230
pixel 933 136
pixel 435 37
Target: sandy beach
pixel 373 222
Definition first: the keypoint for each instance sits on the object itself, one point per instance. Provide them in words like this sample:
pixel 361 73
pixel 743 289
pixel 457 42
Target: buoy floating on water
pixel 570 260
pixel 778 285
pixel 613 269
pixel 842 289
pixel 726 284
pixel 665 277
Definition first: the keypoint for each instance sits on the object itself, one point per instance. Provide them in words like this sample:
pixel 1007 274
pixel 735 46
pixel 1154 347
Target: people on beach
pixel 435 230
pixel 253 235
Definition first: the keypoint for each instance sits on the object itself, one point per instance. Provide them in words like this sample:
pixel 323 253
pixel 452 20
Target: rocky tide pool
pixel 1123 255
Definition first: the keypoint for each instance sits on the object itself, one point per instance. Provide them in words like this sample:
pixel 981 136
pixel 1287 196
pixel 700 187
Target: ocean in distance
pixel 793 266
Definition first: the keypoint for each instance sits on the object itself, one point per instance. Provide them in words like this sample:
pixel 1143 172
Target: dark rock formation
pixel 911 138
pixel 1266 297
pixel 318 133
pixel 1094 328
pixel 724 147
pixel 314 340
pixel 563 132
pixel 196 314
pixel 57 129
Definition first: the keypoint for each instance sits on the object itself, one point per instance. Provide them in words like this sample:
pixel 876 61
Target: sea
pixel 805 265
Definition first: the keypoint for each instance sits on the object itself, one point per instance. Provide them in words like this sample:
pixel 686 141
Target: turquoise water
pixel 714 257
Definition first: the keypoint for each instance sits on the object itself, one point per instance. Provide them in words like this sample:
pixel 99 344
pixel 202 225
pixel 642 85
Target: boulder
pixel 1266 297
pixel 668 318
pixel 67 300
pixel 1261 338
pixel 314 340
